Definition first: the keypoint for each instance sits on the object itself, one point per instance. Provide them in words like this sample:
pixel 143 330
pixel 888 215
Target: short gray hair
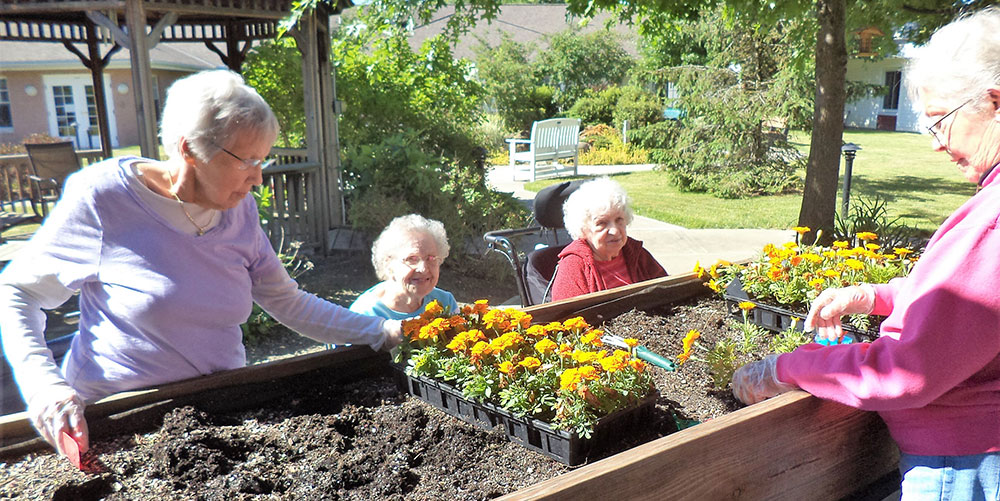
pixel 385 246
pixel 210 108
pixel 592 199
pixel 961 60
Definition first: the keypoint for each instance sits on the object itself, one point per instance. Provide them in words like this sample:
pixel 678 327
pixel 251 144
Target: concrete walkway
pixel 675 247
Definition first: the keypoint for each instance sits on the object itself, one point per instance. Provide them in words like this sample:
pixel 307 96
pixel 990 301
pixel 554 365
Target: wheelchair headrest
pixel 549 203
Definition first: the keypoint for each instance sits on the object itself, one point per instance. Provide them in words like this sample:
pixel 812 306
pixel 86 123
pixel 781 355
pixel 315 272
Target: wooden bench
pixel 551 140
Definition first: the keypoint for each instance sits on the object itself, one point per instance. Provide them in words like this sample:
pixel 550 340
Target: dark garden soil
pixel 362 439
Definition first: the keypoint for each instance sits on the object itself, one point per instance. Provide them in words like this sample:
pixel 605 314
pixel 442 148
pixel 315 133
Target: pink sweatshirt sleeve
pixel 941 332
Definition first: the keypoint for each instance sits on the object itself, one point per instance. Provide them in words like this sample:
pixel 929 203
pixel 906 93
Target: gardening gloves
pixel 824 316
pixel 757 381
pixel 56 409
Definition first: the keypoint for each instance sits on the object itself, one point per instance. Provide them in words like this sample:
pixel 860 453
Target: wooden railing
pixel 296 204
pixel 15 190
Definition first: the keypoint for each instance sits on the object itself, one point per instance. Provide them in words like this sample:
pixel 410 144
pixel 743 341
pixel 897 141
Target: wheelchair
pixel 535 259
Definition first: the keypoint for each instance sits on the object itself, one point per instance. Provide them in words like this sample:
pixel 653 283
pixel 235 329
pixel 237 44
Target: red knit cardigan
pixel 577 273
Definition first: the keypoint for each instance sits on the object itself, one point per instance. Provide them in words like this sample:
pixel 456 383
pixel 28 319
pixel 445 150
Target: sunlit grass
pixel 921 185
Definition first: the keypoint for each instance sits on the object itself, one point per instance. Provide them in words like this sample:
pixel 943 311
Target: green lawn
pixel 921 185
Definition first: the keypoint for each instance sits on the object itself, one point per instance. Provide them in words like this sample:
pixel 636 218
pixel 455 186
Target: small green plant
pixel 722 360
pixel 871 215
pixel 792 337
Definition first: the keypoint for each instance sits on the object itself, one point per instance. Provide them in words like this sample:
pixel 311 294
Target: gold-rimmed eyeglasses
pixel 414 261
pixel 936 126
pixel 246 163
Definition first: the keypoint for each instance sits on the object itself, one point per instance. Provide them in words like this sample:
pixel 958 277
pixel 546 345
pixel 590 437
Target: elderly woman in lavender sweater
pixel 168 258
pixel 934 374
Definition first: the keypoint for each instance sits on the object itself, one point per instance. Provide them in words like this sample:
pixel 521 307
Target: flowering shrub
pixel 559 372
pixel 794 274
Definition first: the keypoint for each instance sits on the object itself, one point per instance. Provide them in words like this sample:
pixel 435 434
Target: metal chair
pixel 535 262
pixel 51 163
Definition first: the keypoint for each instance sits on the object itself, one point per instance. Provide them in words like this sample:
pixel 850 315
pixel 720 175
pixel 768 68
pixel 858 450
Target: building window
pixel 62 97
pixel 892 82
pixel 6 119
pixel 91 110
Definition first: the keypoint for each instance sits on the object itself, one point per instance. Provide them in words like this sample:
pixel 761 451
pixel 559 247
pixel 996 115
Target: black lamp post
pixel 849 149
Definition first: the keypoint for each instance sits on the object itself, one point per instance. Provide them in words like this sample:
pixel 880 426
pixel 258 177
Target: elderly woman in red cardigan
pixel 602 255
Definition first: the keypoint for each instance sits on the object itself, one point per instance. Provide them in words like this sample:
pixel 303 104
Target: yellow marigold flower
pixel 545 346
pixel 816 283
pixel 576 323
pixel 614 363
pixel 683 357
pixel 520 318
pixel 478 351
pixel 812 258
pixel 829 254
pixel 801 230
pixel 478 308
pixel 698 270
pixel 690 338
pixel 854 264
pixel 459 343
pixel 506 366
pixel 840 244
pixel 747 305
pixel 902 252
pixel 866 236
pixel 554 327
pixel 593 337
pixel 769 249
pixel 588 372
pixel 714 271
pixel 775 273
pixel 434 308
pixel 537 331
pixel 830 273
pixel 789 245
pixel 565 350
pixel 631 342
pixel 586 357
pixel 530 363
pixel 873 247
pixel 712 284
pixel 568 379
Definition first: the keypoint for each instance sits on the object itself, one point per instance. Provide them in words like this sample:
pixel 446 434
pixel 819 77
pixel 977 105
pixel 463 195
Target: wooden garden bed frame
pixel 793 446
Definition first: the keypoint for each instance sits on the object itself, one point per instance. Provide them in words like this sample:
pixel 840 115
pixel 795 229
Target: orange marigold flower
pixel 457 321
pixel 530 363
pixel 565 350
pixel 775 273
pixel 683 357
pixel 637 365
pixel 537 331
pixel 690 338
pixel 545 346
pixel 506 366
pixel 434 308
pixel 801 230
pixel 576 323
pixel 866 236
pixel 588 372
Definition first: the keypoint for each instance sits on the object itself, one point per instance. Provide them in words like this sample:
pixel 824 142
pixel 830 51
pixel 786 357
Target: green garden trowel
pixel 640 351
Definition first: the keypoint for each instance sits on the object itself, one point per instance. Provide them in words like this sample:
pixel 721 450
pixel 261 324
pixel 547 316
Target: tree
pixel 576 62
pixel 274 68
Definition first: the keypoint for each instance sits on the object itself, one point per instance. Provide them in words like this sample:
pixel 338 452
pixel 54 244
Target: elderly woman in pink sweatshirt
pixel 934 374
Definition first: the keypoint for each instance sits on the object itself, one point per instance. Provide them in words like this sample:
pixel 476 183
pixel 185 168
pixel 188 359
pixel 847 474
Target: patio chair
pixel 50 164
pixel 535 270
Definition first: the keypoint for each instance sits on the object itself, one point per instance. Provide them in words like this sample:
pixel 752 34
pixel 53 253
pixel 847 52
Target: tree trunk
pixel 819 199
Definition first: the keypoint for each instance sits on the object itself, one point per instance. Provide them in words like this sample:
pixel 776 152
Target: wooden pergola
pixel 227 27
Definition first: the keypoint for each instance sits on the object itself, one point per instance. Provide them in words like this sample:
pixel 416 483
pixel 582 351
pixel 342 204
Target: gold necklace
pixel 201 229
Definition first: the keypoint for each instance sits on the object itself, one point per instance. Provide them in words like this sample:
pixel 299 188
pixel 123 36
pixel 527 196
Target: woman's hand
pixel 57 409
pixel 824 316
pixel 392 331
pixel 758 381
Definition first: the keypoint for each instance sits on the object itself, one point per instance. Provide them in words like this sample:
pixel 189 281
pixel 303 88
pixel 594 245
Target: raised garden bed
pixel 793 446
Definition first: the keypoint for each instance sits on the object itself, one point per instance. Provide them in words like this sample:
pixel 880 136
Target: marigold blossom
pixel 530 363
pixel 866 235
pixel 747 305
pixel 545 346
pixel 801 230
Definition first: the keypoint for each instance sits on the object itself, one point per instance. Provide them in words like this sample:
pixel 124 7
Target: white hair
pixel 594 199
pixel 385 247
pixel 209 109
pixel 961 60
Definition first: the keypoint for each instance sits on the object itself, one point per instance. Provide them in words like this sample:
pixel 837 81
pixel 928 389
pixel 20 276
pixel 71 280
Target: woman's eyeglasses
pixel 414 261
pixel 936 126
pixel 246 163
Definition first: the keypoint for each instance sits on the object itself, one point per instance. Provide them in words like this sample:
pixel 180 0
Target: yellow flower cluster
pixel 534 369
pixel 794 274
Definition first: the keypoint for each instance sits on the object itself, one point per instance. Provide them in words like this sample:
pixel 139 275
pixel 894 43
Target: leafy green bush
pixel 575 62
pixel 657 138
pixel 607 148
pixel 596 107
pixel 508 79
pixel 638 106
pixel 274 69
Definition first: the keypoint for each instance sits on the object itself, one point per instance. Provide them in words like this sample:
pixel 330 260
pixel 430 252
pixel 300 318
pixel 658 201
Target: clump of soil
pixel 359 440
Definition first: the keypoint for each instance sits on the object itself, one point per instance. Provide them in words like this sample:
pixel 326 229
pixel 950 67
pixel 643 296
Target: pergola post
pixel 96 65
pixel 142 81
pixel 328 113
